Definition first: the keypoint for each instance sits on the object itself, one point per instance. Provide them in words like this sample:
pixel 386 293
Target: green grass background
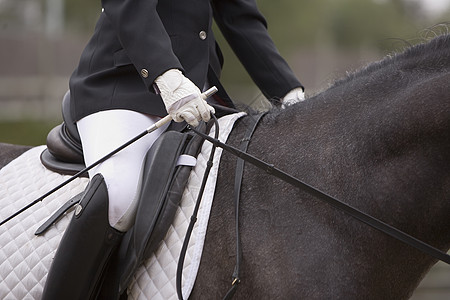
pixel 31 133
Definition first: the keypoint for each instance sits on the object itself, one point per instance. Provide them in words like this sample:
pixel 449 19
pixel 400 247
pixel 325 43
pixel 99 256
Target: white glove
pixel 182 98
pixel 294 96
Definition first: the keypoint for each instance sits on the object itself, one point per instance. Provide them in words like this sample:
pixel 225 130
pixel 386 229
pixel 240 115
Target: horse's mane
pixel 429 49
pixel 394 73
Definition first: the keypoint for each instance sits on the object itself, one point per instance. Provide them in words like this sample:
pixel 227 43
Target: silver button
pixel 202 35
pixel 144 73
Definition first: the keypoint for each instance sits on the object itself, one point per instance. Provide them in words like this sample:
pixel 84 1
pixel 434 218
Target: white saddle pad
pixel 25 258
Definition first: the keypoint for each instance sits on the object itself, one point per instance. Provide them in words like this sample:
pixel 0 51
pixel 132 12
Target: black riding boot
pixel 85 248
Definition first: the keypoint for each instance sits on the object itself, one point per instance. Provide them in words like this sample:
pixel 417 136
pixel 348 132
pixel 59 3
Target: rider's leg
pixel 85 248
pixel 112 195
pixel 105 131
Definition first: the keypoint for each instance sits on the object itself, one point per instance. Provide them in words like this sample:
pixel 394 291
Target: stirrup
pixel 83 253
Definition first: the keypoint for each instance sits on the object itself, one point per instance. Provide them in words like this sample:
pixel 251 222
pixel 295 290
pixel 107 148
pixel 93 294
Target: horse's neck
pixel 381 146
pixel 379 141
pixel 388 159
pixel 383 140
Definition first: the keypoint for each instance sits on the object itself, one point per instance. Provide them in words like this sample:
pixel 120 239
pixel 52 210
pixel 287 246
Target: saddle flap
pixel 162 189
pixel 159 167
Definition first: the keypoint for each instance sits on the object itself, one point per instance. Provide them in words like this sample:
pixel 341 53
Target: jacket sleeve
pixel 143 36
pixel 245 29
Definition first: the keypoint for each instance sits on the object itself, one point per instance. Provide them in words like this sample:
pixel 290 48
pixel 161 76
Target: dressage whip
pixel 150 129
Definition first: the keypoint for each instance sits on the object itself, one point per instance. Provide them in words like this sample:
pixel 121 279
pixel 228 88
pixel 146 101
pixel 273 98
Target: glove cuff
pixel 169 81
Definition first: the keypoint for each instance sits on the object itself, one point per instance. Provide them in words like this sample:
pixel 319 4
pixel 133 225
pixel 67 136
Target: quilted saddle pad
pixel 25 258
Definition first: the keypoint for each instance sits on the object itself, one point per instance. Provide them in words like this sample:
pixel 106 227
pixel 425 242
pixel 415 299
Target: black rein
pixel 363 217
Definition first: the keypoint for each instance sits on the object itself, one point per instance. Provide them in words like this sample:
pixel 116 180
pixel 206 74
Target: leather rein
pixel 242 156
pixel 237 191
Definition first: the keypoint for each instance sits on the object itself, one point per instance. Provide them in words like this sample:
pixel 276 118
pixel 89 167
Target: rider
pixel 142 58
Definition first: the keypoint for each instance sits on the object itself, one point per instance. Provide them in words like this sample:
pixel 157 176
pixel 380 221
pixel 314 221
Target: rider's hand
pixel 294 96
pixel 182 98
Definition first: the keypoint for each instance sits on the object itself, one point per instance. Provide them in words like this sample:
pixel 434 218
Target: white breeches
pixel 105 131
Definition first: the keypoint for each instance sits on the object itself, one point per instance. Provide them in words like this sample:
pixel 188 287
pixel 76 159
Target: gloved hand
pixel 182 98
pixel 294 96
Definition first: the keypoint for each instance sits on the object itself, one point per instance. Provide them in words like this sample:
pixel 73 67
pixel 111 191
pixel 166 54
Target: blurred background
pixel 41 41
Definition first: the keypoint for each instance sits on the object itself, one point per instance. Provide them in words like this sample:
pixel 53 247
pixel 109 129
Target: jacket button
pixel 202 35
pixel 144 73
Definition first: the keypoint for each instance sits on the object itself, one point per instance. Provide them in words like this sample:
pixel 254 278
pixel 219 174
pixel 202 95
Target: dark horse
pixel 378 140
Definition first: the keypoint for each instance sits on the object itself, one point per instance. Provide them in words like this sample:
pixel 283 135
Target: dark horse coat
pixel 136 41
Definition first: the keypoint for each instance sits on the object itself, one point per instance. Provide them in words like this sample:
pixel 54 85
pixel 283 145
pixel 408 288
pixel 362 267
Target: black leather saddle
pixel 64 153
